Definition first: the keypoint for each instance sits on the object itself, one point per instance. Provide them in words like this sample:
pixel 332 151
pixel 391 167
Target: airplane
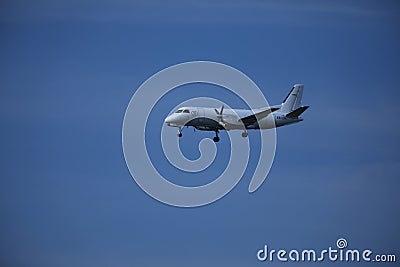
pixel 212 119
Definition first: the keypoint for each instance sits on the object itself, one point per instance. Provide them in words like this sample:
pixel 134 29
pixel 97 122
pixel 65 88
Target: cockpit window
pixel 182 111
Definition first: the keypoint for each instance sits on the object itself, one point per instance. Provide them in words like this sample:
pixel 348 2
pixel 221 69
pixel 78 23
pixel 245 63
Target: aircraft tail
pixel 293 99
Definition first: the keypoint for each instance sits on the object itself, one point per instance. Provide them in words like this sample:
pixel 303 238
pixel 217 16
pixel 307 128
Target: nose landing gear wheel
pixel 244 134
pixel 179 132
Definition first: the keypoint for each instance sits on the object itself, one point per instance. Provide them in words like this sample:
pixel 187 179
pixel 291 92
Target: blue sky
pixel 69 69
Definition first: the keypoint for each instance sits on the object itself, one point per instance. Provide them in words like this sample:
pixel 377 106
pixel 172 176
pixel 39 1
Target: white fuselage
pixel 207 119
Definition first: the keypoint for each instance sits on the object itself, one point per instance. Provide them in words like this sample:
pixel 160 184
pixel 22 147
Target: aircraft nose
pixel 172 120
pixel 168 120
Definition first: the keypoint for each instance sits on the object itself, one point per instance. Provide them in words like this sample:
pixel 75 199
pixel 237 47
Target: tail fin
pixel 293 99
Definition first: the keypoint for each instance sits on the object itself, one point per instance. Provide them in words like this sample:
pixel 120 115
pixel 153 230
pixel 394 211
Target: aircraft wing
pixel 248 120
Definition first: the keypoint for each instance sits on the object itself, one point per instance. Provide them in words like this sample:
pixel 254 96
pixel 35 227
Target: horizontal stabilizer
pixel 297 112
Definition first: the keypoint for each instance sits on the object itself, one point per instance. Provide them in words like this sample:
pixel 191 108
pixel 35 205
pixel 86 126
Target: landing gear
pixel 244 134
pixel 216 138
pixel 179 132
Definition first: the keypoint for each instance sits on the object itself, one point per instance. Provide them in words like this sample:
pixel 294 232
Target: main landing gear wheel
pixel 244 134
pixel 216 138
pixel 179 134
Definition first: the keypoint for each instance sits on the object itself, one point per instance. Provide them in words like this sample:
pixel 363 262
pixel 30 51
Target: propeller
pixel 220 112
pixel 219 115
